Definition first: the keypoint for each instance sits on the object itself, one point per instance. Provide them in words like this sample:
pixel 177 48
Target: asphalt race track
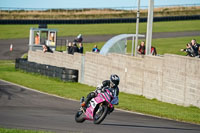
pixel 26 109
pixel 20 46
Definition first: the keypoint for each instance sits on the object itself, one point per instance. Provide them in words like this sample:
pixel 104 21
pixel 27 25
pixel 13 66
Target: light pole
pixel 149 27
pixel 137 27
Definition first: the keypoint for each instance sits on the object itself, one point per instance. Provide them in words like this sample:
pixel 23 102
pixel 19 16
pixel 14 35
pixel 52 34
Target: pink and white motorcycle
pixel 97 109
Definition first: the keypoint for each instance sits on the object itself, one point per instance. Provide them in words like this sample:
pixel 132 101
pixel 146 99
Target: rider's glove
pixel 98 91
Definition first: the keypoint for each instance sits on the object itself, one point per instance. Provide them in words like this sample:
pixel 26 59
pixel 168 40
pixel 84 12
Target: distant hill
pixel 95 13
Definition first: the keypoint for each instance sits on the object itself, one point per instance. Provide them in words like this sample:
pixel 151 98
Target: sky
pixel 87 3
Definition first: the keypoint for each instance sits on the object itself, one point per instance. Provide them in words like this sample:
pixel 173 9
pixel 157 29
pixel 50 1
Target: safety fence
pixel 62 73
pixel 98 21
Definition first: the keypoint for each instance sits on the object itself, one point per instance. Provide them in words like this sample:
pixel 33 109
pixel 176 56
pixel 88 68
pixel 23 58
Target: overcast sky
pixel 87 3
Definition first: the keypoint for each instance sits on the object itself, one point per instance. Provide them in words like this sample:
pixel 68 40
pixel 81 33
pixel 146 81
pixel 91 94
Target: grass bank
pixel 4 130
pixel 22 31
pixel 76 90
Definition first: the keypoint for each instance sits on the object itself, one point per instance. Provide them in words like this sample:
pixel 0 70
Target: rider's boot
pixel 89 97
pixel 83 104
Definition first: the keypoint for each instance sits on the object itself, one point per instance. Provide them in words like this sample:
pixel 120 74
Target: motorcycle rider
pixel 112 85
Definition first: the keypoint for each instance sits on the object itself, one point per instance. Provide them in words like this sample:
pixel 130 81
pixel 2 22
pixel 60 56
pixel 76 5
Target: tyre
pixel 69 77
pixel 100 114
pixel 79 117
pixel 69 71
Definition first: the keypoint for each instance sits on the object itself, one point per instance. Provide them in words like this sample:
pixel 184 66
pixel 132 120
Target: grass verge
pixel 22 31
pixel 4 130
pixel 76 90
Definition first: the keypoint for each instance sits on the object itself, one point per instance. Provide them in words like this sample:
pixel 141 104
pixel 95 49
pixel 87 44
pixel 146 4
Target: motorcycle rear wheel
pixel 79 117
pixel 102 116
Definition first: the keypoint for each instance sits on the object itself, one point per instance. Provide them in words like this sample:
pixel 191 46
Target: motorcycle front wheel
pixel 79 116
pixel 100 114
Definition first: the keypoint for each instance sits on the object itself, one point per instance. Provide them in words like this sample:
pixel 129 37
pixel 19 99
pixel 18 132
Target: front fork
pixel 100 108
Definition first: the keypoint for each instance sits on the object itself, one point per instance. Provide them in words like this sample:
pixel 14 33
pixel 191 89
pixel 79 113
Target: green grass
pixel 76 90
pixel 50 85
pixel 4 130
pixel 22 31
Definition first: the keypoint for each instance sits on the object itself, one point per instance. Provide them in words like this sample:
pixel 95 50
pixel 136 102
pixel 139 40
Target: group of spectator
pixel 192 49
pixel 141 49
pixel 72 48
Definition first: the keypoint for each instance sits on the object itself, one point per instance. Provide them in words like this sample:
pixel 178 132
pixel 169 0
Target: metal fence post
pixel 133 41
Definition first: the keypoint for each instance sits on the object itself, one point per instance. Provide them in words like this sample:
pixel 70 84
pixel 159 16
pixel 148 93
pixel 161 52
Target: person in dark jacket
pixel 195 46
pixel 189 50
pixel 69 48
pixel 111 84
pixel 81 48
pixel 141 48
pixel 74 48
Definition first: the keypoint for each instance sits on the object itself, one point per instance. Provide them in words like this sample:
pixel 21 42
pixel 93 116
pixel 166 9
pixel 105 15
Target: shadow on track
pixel 3 91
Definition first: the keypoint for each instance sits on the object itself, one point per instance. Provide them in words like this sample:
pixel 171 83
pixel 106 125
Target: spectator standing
pixel 141 48
pixel 95 49
pixel 51 37
pixel 195 46
pixel 81 48
pixel 69 48
pixel 74 48
pixel 153 51
pixel 37 39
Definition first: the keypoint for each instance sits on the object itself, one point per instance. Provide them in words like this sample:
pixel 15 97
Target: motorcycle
pixel 78 39
pixel 97 109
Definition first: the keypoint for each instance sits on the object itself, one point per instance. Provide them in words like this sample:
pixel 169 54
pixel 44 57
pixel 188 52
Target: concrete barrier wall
pixel 172 78
pixel 57 59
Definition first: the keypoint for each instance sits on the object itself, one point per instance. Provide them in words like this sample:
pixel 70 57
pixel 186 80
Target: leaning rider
pixel 111 84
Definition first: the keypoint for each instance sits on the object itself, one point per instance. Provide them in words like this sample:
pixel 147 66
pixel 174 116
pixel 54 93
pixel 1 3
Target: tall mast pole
pixel 137 27
pixel 149 27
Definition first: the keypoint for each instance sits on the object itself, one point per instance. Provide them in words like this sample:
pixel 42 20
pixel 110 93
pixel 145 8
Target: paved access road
pixel 20 46
pixel 26 109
